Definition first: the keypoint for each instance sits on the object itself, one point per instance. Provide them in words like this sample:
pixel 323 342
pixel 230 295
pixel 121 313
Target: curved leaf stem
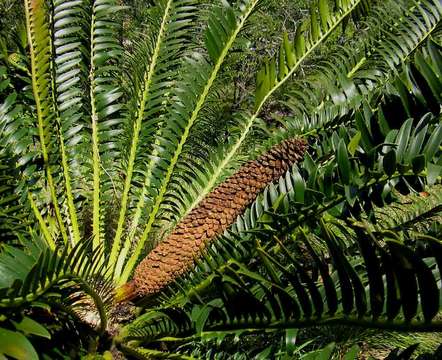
pixel 95 142
pixel 41 222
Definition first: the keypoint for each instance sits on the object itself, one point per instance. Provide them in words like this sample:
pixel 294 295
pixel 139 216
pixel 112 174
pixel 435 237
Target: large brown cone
pixel 211 217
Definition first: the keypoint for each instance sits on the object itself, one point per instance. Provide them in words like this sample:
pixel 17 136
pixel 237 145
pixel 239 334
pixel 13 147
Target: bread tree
pixel 112 190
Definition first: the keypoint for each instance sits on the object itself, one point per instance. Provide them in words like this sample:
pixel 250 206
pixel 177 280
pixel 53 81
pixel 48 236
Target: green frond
pixel 68 47
pixel 153 91
pixel 199 75
pixel 40 53
pixel 14 217
pixel 44 274
pixel 105 92
pixel 15 158
pixel 358 74
pixel 283 295
pixel 41 270
pixel 340 84
pixel 414 213
pixel 14 124
pixel 293 52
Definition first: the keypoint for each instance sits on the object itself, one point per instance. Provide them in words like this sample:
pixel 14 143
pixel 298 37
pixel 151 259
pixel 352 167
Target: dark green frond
pixel 351 292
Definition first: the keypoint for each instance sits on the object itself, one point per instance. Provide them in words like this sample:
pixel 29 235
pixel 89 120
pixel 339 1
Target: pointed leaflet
pixel 344 163
pixel 329 287
pixel 16 345
pixel 372 265
pixel 428 290
pixel 339 263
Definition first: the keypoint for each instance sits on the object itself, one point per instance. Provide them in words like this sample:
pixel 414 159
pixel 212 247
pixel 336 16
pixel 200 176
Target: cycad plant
pixel 114 189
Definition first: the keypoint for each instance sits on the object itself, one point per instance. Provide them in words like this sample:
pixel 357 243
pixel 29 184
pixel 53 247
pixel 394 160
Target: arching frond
pixel 350 74
pixel 68 47
pixel 414 213
pixel 282 294
pixel 40 52
pixel 154 87
pixel 43 274
pixel 104 106
pixel 191 93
